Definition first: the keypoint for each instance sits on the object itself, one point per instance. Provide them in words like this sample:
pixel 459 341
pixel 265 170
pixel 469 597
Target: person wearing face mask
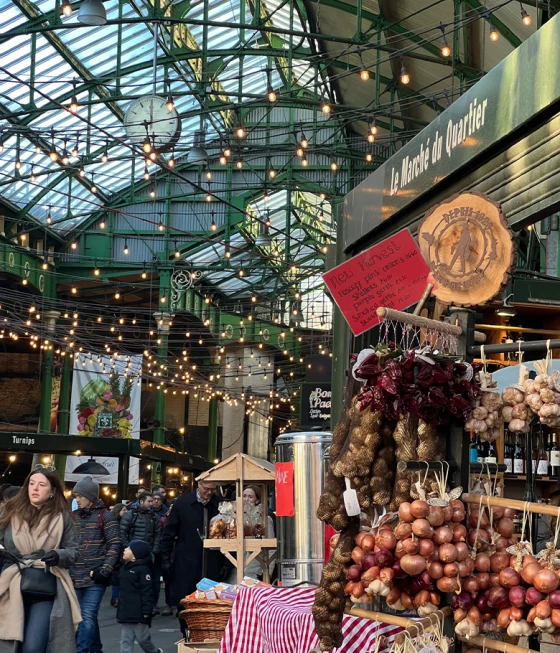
pixel 39 609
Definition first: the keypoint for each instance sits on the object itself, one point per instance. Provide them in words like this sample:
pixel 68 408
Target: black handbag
pixel 35 582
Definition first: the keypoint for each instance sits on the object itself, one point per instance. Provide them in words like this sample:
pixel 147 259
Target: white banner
pixel 105 403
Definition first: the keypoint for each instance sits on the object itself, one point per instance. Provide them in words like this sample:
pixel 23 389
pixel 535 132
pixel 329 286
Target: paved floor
pixel 165 630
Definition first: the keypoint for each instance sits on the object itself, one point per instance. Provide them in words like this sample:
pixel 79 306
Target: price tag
pixel 351 500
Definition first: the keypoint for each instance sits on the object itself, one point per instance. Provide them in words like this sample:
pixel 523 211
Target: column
pixel 64 409
pixel 163 323
pixel 213 430
pixel 46 373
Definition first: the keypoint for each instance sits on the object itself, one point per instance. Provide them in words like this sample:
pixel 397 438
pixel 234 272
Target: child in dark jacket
pixel 136 600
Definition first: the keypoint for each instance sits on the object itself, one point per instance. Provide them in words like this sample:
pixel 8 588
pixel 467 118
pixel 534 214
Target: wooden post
pixel 240 520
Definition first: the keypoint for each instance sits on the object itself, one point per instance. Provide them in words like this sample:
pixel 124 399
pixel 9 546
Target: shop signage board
pixel 391 274
pixel 469 248
pixel 315 405
pixel 494 108
pixel 284 485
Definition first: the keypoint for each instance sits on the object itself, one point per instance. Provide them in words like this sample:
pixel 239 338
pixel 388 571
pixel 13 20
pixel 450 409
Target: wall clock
pixel 150 113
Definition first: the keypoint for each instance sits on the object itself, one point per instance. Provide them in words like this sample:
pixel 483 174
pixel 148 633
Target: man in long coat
pixel 181 543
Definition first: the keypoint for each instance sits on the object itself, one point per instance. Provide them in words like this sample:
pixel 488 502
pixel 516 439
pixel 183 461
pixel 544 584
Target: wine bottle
pixel 535 454
pixel 481 451
pixel 555 456
pixel 508 452
pixel 473 450
pixel 491 454
pixel 549 442
pixel 542 467
pixel 518 457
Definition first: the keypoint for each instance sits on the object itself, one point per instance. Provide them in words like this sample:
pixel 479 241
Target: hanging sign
pixel 391 274
pixel 284 489
pixel 469 249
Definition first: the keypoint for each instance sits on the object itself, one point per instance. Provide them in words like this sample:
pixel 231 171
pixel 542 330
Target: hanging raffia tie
pixel 483 383
pixel 475 546
pixel 548 359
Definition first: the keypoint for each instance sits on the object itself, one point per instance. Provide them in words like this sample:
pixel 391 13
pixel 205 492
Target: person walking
pixel 98 550
pixel 141 524
pixel 37 534
pixel 118 511
pixel 162 491
pixel 136 602
pixel 181 538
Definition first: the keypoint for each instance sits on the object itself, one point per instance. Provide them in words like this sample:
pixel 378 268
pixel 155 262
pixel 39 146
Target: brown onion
pixel 386 576
pixel 458 516
pixel 497 512
pixel 435 516
pixel 406 600
pixel 516 613
pixel 413 564
pixel 498 598
pixel 435 555
pixel 411 546
pixel 359 537
pixel 447 585
pixel 422 598
pixel 451 569
pixel 554 599
pixel 426 547
pixel 504 618
pixel 350 586
pixel 501 544
pixel 354 572
pixel 358 591
pixel 369 561
pixel 527 560
pixel 499 561
pixel 393 596
pixel 370 574
pixel 459 533
pixel 478 537
pixel 543 609
pixel 555 618
pixel 422 528
pixel 509 512
pixel 403 530
pixel 529 572
pixel 462 552
pixel 505 527
pixel 435 598
pixel 419 509
pixel 532 614
pixel 546 581
pixel 464 568
pixel 509 578
pixel 448 552
pixel 399 550
pixel 474 615
pixel 471 585
pixel 516 596
pixel 474 519
pixel 483 580
pixel 495 580
pixel 435 570
pixel 443 535
pixel 368 543
pixel 459 615
pixel 447 513
pixel 358 555
pixel 386 540
pixel 404 512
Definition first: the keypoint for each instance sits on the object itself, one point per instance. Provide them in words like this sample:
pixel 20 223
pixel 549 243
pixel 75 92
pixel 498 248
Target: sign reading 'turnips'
pixel 469 249
pixel 392 274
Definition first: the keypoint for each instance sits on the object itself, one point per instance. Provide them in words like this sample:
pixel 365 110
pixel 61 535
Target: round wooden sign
pixel 469 248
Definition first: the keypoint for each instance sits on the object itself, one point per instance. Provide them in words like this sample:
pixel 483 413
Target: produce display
pixel 103 408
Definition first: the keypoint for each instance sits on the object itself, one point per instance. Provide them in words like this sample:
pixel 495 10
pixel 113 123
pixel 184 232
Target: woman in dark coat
pixel 182 539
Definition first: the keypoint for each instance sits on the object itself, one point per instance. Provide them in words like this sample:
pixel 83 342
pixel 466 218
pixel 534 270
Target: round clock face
pixel 150 112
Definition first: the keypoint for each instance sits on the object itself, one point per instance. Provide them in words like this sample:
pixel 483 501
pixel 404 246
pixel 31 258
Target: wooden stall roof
pixel 254 470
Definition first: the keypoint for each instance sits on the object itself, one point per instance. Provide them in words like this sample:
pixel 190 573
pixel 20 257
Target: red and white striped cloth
pixel 276 620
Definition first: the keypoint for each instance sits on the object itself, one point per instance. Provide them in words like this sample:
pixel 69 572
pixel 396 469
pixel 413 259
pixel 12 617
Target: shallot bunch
pixel 516 410
pixel 543 399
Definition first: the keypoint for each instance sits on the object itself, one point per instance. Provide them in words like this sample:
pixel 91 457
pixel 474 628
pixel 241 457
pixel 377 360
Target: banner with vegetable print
pixel 105 403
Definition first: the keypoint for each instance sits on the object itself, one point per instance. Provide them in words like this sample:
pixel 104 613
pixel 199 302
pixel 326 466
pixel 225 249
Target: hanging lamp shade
pixel 92 12
pixel 263 239
pixel 198 154
pixel 92 467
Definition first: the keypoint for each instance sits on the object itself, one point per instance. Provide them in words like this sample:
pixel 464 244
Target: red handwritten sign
pixel 284 489
pixel 391 274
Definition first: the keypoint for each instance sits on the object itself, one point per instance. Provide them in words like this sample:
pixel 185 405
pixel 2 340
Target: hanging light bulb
pixel 208 196
pixel 364 73
pixel 239 164
pixel 102 224
pixel 373 129
pixel 304 161
pixel 96 271
pixel 52 152
pixel 170 104
pixel 33 177
pixel 171 162
pixel 240 131
pixel 49 216
pixel 74 245
pixel 152 191
pixel 66 8
pixel 177 253
pixel 494 36
pixel 105 155
pixel 126 251
pixel 405 77
pixel 223 159
pixel 93 187
pixel 304 142
pixel 445 49
pixel 76 149
pixel 65 158
pixel 227 252
pixel 325 107
pixel 161 226
pixel 144 276
pixel 272 97
pixel 334 166
pixel 147 145
pixel 117 295
pixel 271 172
pixel 74 106
pixel 369 157
pixel 525 18
pixel 82 171
pixel 2 142
pixel 213 225
pixel 370 138
pixel 146 173
pixel 299 151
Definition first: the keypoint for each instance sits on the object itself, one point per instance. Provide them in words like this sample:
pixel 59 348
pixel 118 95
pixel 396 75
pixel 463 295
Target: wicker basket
pixel 206 619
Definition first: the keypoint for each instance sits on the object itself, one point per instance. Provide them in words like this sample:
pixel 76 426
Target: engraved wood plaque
pixel 469 247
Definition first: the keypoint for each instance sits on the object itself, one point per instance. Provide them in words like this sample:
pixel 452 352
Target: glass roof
pixel 107 67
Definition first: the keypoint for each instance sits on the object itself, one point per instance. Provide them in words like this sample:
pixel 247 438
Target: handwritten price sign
pixel 391 274
pixel 284 489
